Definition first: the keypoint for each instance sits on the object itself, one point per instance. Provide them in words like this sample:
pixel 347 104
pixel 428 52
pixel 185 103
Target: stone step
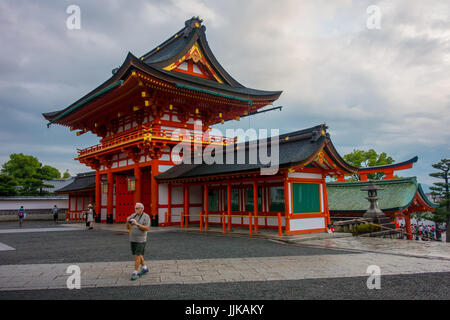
pixel 394 233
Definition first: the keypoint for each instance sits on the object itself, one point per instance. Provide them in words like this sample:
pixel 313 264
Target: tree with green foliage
pixel 66 174
pixel 441 190
pixel 370 158
pixel 25 174
pixel 8 185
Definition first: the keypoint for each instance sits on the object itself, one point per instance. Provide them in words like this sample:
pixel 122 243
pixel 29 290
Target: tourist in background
pixel 21 214
pixel 90 217
pixel 55 214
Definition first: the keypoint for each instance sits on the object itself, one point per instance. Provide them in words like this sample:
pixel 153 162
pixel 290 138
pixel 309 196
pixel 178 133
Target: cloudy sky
pixel 385 88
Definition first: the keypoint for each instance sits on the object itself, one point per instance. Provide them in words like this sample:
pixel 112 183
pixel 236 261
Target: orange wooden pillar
pixel 255 204
pixel 206 203
pixel 82 203
pixel 280 231
pixel 286 203
pixel 250 227
pixel 326 208
pixel 223 222
pixel 389 175
pixel 138 183
pixel 76 207
pixel 154 188
pixel 109 204
pixel 181 219
pixel 169 204
pixel 186 204
pixel 229 204
pixel 70 214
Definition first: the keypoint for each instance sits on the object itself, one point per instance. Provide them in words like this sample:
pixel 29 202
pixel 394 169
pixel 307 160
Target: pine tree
pixel 441 190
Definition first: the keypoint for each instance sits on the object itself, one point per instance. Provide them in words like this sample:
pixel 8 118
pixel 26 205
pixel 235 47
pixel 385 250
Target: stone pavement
pixel 110 274
pixel 394 257
pixel 429 249
pixel 22 230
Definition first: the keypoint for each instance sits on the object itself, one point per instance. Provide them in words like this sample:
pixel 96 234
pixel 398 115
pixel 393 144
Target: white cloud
pixel 385 89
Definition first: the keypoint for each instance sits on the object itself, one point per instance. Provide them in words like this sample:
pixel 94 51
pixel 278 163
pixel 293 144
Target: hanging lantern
pixel 131 183
pixel 104 185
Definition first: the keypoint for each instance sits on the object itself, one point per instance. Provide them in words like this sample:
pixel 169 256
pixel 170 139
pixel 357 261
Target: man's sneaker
pixel 134 276
pixel 142 272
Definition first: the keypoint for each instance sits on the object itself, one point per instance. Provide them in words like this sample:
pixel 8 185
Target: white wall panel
pixel 163 193
pixel 195 194
pixel 306 224
pixel 177 195
pixel 305 175
pixel 175 213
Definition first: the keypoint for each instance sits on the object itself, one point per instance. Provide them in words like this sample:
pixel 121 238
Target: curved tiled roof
pixel 153 63
pixel 397 194
pixel 82 181
pixel 300 147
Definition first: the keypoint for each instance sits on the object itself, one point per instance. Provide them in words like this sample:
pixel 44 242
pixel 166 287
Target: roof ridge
pixel 383 181
pixel 185 31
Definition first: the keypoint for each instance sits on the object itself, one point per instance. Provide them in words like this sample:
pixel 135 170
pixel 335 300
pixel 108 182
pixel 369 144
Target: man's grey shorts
pixel 138 248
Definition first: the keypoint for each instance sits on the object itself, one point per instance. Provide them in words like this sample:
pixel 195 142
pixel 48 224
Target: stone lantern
pixel 373 213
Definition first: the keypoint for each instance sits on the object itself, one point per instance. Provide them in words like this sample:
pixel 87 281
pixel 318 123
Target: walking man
pixel 138 224
pixel 55 214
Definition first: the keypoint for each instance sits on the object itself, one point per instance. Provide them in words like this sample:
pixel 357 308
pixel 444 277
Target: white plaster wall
pixel 215 219
pixel 175 212
pixel 72 203
pixel 177 195
pixel 306 224
pixel 236 220
pixel 103 214
pixel 33 204
pixel 195 194
pixel 321 198
pixel 161 215
pixel 290 196
pixel 304 175
pixel 196 211
pixel 122 163
pixel 163 193
pixel 274 221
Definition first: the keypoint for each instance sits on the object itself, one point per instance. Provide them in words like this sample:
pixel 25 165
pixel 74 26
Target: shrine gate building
pixel 152 104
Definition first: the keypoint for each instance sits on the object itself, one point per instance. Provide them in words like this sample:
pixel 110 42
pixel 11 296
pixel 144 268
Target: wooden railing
pixel 180 135
pixel 225 220
pixel 74 215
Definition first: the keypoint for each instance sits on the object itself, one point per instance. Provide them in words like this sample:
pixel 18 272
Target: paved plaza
pixel 192 265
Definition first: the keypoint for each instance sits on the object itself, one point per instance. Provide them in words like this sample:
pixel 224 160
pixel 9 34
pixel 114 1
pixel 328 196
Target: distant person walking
pixel 55 214
pixel 138 225
pixel 21 215
pixel 90 216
